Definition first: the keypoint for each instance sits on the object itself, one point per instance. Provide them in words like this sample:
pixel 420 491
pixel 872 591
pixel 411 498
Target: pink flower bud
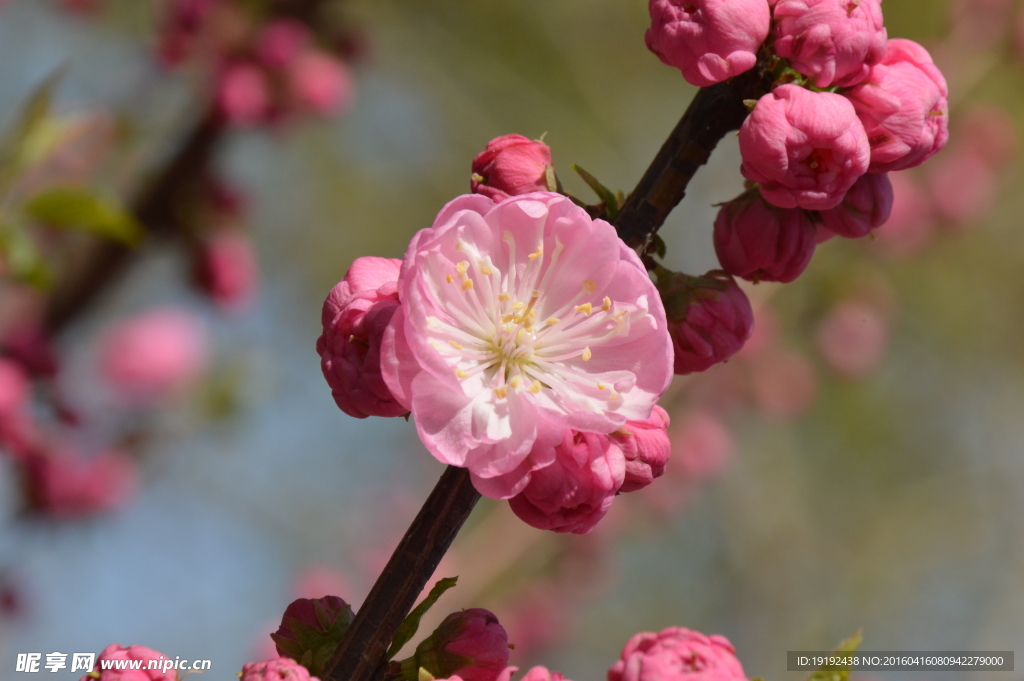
pixel 154 355
pixel 903 107
pixel 709 319
pixel 756 241
pixel 65 485
pixel 117 652
pixel 15 390
pixel 509 166
pixel 833 42
pixel 313 627
pixel 243 94
pixel 279 669
pixel 852 339
pixel 471 643
pixel 677 654
pixel 867 206
pixel 803 148
pixel 355 315
pixel 575 491
pixel 321 83
pixel 227 269
pixel 646 448
pixel 708 40
pixel 542 674
pixel 281 42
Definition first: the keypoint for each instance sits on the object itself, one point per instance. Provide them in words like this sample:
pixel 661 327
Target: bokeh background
pixel 810 497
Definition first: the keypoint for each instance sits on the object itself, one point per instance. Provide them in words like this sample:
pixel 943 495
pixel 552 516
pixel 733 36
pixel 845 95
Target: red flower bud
pixel 509 166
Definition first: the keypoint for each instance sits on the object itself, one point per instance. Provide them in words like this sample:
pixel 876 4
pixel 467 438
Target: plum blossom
pixel 279 669
pixel 63 484
pixel 517 321
pixel 677 654
pixel 471 642
pixel 708 40
pixel 119 652
pixel 646 448
pixel 511 165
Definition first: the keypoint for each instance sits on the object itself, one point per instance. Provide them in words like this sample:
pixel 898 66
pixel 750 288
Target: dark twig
pixel 361 656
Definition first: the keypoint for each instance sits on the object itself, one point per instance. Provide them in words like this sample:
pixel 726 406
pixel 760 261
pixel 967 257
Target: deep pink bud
pixel 227 270
pixel 354 317
pixel 867 206
pixel 677 654
pixel 117 652
pixel 803 148
pixel 470 643
pixel 320 83
pixel 312 628
pixel 709 319
pixel 542 674
pixel 833 42
pixel 281 42
pixel 66 486
pixel 756 241
pixel 708 40
pixel 575 491
pixel 280 669
pixel 511 165
pixel 903 107
pixel 646 448
pixel 243 94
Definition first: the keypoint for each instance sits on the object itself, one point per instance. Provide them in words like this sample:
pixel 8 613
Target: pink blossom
pixel 519 320
pixel 317 580
pixel 471 642
pixel 118 652
pixel 867 206
pixel 243 94
pixel 803 148
pixel 757 241
pixel 542 674
pixel 903 107
pixel 990 132
pixel 511 165
pixel 646 448
pixel 784 383
pixel 709 319
pixel 227 269
pixel 963 186
pixel 279 669
pixel 575 491
pixel 537 618
pixel 154 355
pixel 15 390
pixel 677 654
pixel 702 446
pixel 320 83
pixel 833 42
pixel 323 619
pixel 911 223
pixel 708 40
pixel 852 339
pixel 281 42
pixel 66 485
pixel 355 315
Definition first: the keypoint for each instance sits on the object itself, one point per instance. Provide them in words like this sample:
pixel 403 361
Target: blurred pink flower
pixel 990 132
pixel 279 669
pixel 646 448
pixel 15 390
pixel 243 94
pixel 757 241
pixel 542 674
pixel 911 223
pixel 536 619
pixel 833 42
pixel 511 165
pixel 66 485
pixel 118 652
pixel 228 270
pixel 471 643
pixel 708 40
pixel 903 107
pixel 519 320
pixel 281 42
pixel 784 383
pixel 852 338
pixel 962 185
pixel 677 654
pixel 704 446
pixel 355 315
pixel 709 319
pixel 153 355
pixel 321 83
pixel 317 581
pixel 865 207
pixel 803 148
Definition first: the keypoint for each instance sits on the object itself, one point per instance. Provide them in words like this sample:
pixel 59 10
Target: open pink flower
pixel 119 652
pixel 903 107
pixel 511 165
pixel 355 315
pixel 708 40
pixel 677 654
pixel 519 320
pixel 803 148
pixel 278 669
pixel 865 207
pixel 834 42
pixel 320 83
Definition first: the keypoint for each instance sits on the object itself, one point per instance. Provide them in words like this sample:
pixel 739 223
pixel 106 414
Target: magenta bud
pixel 677 654
pixel 646 448
pixel 757 241
pixel 470 643
pixel 311 629
pixel 279 669
pixel 867 206
pixel 509 166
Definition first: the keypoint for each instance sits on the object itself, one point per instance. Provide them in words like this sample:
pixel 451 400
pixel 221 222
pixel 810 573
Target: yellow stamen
pixel 589 286
pixel 449 278
pixel 462 267
pixel 607 304
pixel 432 321
pixel 535 387
pixel 468 284
pixel 504 297
pixel 536 254
pixel 601 386
pixel 518 305
pixel 515 382
pixel 456 345
pixel 501 392
pixel 587 354
pixel 553 320
pixel 460 373
pixel 585 308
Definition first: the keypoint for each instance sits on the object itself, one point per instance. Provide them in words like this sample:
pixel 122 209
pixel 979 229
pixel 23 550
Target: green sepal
pixel 610 200
pixel 23 137
pixel 79 209
pixel 412 621
pixel 838 672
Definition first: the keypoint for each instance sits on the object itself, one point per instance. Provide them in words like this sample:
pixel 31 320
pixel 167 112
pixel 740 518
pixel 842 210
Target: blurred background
pixel 860 464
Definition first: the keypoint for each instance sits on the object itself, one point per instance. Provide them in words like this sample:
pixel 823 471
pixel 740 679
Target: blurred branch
pixel 714 112
pixel 362 654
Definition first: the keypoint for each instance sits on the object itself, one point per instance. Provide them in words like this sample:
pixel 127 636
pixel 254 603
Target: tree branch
pixel 361 655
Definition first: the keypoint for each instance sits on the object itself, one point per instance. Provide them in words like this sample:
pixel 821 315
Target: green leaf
pixel 838 672
pixel 79 209
pixel 22 137
pixel 658 245
pixel 23 260
pixel 412 622
pixel 611 202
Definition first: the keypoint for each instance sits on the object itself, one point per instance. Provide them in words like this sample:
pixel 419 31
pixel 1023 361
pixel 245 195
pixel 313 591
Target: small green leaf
pixel 412 622
pixel 69 208
pixel 19 137
pixel 838 672
pixel 611 202
pixel 21 256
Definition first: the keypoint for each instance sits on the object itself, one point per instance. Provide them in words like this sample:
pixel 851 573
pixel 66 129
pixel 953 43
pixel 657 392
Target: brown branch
pixel 714 112
pixel 361 656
